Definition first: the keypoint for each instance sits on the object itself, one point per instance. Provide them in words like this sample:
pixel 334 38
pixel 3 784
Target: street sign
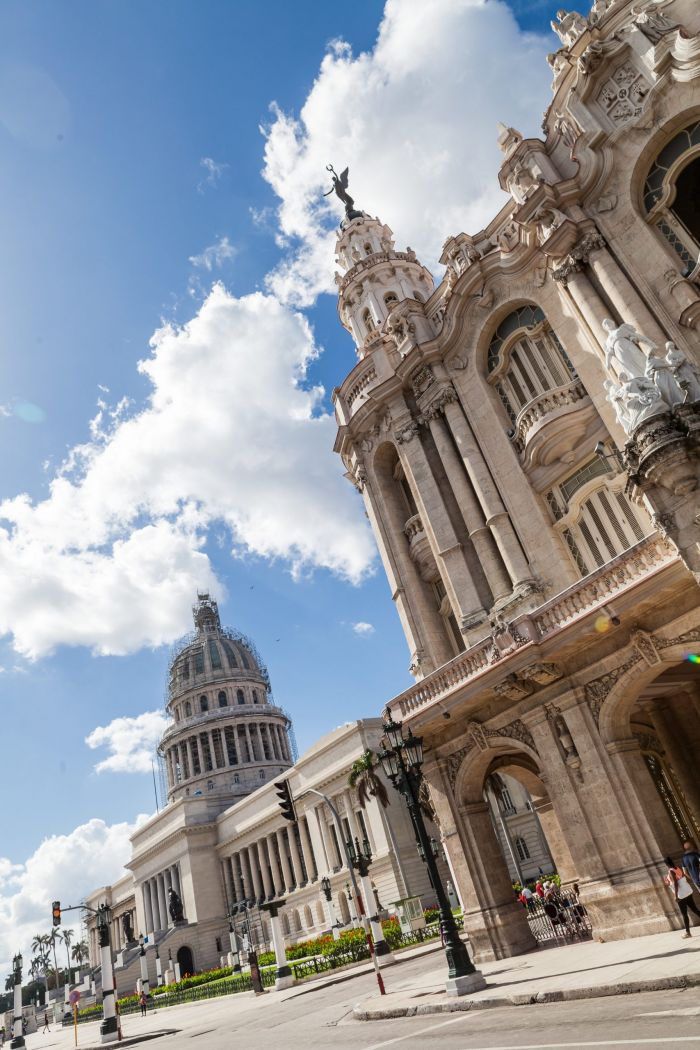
pixel 74 997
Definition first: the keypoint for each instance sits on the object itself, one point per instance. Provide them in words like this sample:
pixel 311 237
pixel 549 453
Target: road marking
pixel 605 1042
pixel 691 1011
pixel 412 1035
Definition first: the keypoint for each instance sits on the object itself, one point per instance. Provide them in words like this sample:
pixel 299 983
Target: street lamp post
pixel 402 759
pixel 360 857
pixel 108 1028
pixel 330 914
pixel 143 961
pixel 17 1036
pixel 284 977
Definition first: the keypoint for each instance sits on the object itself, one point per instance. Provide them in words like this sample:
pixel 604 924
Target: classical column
pixel 284 744
pixel 147 910
pixel 623 294
pixel 258 733
pixel 307 849
pixel 249 741
pixel 279 886
pixel 236 875
pixel 162 909
pixel 415 603
pixel 479 533
pixel 284 860
pixel 259 847
pixel 325 837
pixel 296 859
pixel 448 552
pixel 255 872
pixel 497 517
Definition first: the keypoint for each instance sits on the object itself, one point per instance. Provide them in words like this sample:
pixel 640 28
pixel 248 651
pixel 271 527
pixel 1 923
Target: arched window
pixel 368 249
pixel 526 360
pixel 203 703
pixel 285 925
pixel 210 785
pixel 223 702
pixel 308 917
pixel 670 198
pixel 368 321
pixel 320 915
pixel 240 697
pixel 390 299
pixel 214 654
pixel 230 653
pixel 236 778
pixel 188 709
pixel 261 774
pixel 595 519
pixel 256 699
pixel 521 846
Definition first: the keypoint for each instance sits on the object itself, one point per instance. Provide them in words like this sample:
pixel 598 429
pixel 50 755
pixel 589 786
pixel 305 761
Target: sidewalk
pixel 577 971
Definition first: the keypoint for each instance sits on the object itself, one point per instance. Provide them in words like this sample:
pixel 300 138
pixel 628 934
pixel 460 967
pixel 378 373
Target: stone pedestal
pixel 473 982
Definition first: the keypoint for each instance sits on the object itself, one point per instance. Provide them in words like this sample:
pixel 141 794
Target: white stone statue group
pixel 645 385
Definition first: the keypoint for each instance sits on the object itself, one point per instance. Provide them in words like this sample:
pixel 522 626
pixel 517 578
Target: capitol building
pixel 524 433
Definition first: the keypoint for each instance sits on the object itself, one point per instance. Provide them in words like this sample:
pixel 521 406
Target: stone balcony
pixel 485 664
pixel 553 424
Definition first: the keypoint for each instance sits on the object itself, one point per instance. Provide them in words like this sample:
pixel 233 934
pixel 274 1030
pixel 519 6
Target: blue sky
pixel 140 161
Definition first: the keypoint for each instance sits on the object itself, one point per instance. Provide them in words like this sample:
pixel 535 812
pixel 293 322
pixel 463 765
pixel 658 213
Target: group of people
pixel 682 879
pixel 546 891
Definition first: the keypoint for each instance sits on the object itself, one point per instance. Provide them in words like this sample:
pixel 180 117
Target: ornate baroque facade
pixel 523 434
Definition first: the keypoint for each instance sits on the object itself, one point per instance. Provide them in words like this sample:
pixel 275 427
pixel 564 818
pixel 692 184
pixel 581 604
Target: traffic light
pixel 286 802
pixel 56 913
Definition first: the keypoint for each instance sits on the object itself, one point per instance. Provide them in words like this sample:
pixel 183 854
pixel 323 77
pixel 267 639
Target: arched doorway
pixel 660 719
pixel 185 960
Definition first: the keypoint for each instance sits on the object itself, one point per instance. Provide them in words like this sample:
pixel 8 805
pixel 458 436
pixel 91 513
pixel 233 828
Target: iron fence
pixel 560 919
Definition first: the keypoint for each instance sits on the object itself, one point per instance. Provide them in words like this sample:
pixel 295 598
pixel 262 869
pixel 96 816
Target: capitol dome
pixel 227 736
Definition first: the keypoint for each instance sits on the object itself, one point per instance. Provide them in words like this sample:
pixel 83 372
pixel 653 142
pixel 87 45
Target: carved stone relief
pixel 483 738
pixel 622 96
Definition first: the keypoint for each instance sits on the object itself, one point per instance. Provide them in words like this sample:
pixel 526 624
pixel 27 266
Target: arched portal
pixel 185 960
pixel 651 723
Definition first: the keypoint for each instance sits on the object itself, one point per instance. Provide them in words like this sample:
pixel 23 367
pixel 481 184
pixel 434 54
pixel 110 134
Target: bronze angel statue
pixel 340 186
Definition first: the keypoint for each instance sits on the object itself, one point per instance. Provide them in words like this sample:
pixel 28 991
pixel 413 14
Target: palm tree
pixel 80 952
pixel 364 780
pixel 68 937
pixel 40 946
pixel 52 940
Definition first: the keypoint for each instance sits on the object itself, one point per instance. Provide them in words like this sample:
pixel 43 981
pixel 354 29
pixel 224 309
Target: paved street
pixel 309 1018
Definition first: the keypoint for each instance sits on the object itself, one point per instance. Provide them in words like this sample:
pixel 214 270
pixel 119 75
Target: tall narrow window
pixel 203 704
pixel 223 702
pixel 240 696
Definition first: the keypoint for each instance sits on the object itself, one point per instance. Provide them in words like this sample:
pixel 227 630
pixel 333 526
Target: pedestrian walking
pixel 677 879
pixel 46 1022
pixel 143 1003
pixel 691 862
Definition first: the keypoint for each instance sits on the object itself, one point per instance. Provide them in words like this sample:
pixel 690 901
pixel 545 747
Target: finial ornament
pixel 340 186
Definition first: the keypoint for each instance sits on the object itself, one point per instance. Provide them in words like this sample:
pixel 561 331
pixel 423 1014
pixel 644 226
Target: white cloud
pixel 130 741
pixel 363 629
pixel 214 171
pixel 214 256
pixel 415 119
pixel 112 557
pixel 65 868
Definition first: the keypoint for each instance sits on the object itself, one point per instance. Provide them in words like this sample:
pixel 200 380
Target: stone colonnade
pixel 226 745
pixel 287 858
pixel 155 898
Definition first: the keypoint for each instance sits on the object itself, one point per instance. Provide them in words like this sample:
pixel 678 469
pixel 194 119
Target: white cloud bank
pixel 112 557
pixel 415 119
pixel 65 868
pixel 130 742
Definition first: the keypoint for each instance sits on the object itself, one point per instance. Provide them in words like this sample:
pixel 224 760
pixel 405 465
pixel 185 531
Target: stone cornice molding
pixel 578 257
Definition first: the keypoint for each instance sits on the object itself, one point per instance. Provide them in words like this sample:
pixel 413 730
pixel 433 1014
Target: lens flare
pixel 693 658
pixel 602 624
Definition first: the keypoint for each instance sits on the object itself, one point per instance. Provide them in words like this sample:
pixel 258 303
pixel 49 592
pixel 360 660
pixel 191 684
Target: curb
pixel 600 991
pixel 315 984
pixel 135 1039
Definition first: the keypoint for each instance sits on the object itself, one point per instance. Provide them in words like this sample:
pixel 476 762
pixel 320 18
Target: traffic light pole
pixel 358 897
